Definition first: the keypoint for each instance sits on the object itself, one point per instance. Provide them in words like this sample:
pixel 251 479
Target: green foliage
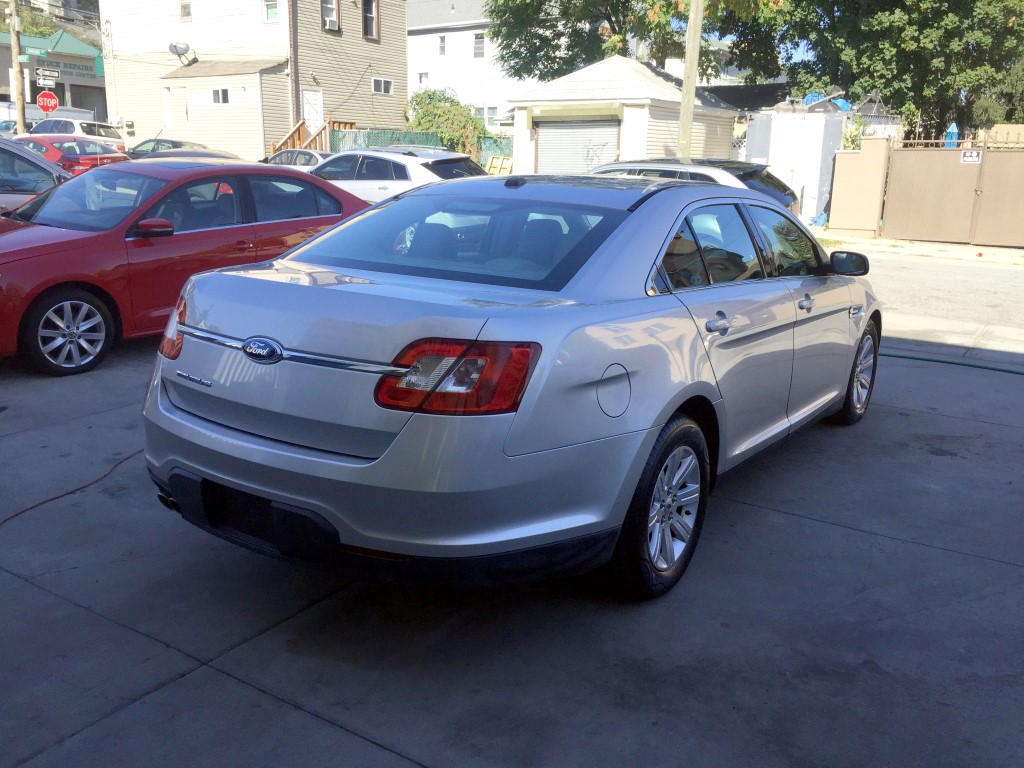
pixel 935 58
pixel 550 38
pixel 32 23
pixel 853 132
pixel 441 112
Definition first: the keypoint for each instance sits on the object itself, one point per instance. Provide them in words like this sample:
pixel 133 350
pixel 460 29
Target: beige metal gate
pixel 955 195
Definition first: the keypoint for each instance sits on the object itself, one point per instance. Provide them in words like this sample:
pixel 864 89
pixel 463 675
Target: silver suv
pixel 729 173
pixel 373 174
pixel 67 126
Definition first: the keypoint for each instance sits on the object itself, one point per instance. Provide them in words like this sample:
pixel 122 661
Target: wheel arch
pixel 95 290
pixel 702 411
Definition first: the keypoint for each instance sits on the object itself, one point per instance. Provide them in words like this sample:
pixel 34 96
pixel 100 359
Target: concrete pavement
pixel 857 600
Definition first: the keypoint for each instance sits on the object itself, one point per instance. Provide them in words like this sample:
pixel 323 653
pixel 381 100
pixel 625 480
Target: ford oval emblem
pixel 261 350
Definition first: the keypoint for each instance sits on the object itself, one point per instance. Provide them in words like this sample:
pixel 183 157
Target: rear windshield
pixel 456 168
pixel 98 129
pixel 521 243
pixel 775 188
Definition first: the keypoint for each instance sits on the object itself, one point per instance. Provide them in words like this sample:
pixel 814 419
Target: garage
pixel 576 146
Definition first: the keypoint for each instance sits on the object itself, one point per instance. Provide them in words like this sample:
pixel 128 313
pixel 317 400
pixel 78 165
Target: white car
pixel 69 127
pixel 299 159
pixel 374 174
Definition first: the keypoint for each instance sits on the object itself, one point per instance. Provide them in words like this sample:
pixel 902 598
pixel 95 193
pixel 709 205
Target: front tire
pixel 66 332
pixel 862 378
pixel 666 515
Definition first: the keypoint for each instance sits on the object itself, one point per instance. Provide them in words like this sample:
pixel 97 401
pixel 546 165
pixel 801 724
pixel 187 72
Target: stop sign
pixel 47 101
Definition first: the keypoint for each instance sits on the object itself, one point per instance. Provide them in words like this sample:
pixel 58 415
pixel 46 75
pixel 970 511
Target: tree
pixel 932 60
pixel 453 122
pixel 550 38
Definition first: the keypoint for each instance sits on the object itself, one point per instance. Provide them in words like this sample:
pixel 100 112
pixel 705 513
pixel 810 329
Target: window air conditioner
pixel 331 24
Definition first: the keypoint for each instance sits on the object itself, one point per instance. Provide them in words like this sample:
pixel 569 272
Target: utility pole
pixel 689 92
pixel 17 79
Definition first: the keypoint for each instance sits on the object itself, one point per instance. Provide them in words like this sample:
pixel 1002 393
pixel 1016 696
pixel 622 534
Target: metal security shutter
pixel 576 147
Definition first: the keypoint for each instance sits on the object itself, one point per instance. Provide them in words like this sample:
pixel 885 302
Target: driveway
pixel 857 600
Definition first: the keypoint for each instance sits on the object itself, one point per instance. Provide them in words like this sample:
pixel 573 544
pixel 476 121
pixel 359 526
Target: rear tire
pixel 665 517
pixel 67 331
pixel 862 378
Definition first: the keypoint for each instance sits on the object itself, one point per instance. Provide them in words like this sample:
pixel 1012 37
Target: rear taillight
pixel 170 344
pixel 73 166
pixel 459 378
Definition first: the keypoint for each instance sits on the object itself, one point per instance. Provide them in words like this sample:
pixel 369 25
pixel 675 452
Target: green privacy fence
pixel 489 145
pixel 381 138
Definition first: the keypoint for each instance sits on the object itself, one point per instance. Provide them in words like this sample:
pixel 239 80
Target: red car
pixel 105 254
pixel 75 154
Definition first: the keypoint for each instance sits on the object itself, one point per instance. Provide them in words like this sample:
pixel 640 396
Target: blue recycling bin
pixel 952 135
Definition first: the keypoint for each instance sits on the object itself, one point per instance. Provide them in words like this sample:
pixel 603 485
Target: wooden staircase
pixel 300 138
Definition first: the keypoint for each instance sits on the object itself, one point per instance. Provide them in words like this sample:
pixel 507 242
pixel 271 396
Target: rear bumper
pixel 291 533
pixel 443 498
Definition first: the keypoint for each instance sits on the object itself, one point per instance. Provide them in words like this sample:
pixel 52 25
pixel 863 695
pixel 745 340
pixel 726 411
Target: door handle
pixel 719 324
pixel 806 302
pixel 244 245
pixel 383 188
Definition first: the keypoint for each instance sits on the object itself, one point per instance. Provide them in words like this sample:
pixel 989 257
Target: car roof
pixel 173 168
pixel 62 137
pixel 408 152
pixel 619 192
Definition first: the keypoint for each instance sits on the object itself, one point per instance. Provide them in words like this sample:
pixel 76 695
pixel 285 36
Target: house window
pixel 381 86
pixel 371 20
pixel 440 45
pixel 424 77
pixel 329 12
pixel 478 46
pixel 270 10
pixel 220 96
pixel 486 115
pixel 185 10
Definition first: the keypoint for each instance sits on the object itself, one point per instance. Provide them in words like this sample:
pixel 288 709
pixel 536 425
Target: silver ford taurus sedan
pixel 494 379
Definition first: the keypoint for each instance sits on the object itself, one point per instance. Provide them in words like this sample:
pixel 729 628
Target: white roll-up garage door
pixel 576 147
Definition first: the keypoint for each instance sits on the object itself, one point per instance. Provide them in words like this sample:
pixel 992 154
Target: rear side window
pixel 277 199
pixel 725 243
pixel 770 185
pixel 375 169
pixel 525 243
pixel 98 129
pixel 456 168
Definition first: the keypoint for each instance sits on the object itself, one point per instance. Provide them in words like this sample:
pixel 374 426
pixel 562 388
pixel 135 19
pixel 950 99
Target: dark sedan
pixel 105 254
pixel 147 147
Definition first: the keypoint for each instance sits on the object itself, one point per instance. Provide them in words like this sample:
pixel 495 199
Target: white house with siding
pixel 254 68
pixel 449 49
pixel 616 109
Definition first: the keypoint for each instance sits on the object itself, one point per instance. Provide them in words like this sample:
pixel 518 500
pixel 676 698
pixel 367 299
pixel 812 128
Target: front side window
pixel 789 249
pixel 339 169
pixel 278 199
pixel 371 20
pixel 725 243
pixel 204 204
pixel 478 46
pixel 527 243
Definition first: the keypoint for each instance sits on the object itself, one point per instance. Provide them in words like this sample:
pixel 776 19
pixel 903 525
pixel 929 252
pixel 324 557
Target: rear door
pixel 288 211
pixel 824 331
pixel 745 319
pixel 209 232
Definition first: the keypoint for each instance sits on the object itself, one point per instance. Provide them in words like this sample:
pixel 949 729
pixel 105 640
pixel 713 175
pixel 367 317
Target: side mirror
pixel 849 263
pixel 154 228
pixel 265 160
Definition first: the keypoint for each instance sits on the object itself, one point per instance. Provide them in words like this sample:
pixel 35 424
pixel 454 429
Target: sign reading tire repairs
pixel 47 102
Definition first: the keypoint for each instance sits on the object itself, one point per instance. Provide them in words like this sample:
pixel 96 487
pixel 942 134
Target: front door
pixel 822 336
pixel 209 233
pixel 746 322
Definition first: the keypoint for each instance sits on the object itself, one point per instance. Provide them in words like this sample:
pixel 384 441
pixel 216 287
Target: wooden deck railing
pixel 297 138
